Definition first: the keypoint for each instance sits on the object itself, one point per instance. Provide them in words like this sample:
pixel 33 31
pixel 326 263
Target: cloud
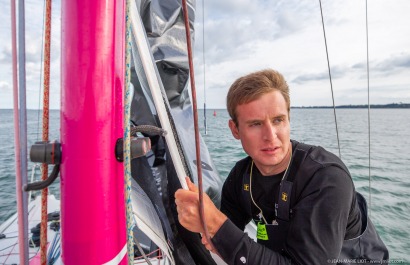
pixel 311 77
pixel 393 63
pixel 386 66
pixel 336 72
pixel 234 29
pixel 33 46
pixel 247 35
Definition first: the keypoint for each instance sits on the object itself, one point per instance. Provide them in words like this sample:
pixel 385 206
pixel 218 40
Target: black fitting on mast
pixel 47 153
pixel 139 147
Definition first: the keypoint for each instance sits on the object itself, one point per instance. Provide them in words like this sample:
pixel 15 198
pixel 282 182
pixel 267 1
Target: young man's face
pixel 264 131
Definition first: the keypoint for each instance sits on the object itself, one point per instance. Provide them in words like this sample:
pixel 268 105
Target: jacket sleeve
pixel 316 231
pixel 236 247
pixel 320 217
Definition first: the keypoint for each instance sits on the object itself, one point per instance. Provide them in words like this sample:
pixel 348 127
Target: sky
pixel 237 37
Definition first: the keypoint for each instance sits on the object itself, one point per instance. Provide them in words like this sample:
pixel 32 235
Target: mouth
pixel 270 150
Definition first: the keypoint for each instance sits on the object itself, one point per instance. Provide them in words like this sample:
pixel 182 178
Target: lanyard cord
pixel 250 191
pixel 250 185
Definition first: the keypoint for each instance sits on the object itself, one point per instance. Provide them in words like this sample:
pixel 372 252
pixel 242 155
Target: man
pixel 301 197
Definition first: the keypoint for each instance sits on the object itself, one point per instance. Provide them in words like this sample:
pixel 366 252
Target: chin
pixel 269 162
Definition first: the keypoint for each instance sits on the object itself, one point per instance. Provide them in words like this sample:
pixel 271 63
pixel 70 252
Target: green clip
pixel 261 233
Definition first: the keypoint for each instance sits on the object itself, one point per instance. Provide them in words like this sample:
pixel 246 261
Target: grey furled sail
pixel 155 173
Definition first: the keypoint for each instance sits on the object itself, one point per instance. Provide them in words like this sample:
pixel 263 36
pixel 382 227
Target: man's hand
pixel 187 202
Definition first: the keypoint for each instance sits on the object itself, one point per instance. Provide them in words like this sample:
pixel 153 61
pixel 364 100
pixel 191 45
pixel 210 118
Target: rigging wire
pixel 368 95
pixel 330 78
pixel 46 97
pixel 195 113
pixel 368 106
pixel 41 75
pixel 203 61
pixel 127 137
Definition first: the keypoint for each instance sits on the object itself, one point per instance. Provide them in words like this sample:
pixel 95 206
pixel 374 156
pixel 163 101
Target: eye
pixel 256 123
pixel 277 120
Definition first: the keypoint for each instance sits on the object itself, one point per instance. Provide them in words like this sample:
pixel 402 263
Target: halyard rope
pixel 127 137
pixel 46 96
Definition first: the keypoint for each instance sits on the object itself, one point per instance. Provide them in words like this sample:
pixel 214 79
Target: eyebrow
pixel 252 121
pixel 260 120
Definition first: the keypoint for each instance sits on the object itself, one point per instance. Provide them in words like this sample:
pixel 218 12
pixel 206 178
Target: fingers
pixel 187 195
pixel 182 195
pixel 205 242
pixel 191 186
pixel 187 202
pixel 188 212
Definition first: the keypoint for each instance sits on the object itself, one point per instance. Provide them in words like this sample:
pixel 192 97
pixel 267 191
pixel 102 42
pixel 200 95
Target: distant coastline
pixel 372 106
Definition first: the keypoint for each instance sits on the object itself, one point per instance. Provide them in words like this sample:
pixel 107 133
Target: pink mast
pixel 92 183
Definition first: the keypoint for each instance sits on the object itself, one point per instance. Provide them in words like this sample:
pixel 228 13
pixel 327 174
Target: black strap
pixel 246 188
pixel 299 155
pixel 283 206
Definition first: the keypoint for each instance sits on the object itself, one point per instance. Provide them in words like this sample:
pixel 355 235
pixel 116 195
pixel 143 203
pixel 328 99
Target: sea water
pixel 389 152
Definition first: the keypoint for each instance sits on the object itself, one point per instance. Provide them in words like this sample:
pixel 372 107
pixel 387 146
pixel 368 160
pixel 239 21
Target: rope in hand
pixel 195 112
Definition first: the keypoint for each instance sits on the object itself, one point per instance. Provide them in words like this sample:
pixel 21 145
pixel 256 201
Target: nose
pixel 269 132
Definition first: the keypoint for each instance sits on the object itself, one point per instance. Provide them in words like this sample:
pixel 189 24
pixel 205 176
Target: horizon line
pixel 388 105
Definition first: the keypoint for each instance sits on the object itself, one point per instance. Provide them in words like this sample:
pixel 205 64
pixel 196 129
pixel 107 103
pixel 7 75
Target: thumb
pixel 191 186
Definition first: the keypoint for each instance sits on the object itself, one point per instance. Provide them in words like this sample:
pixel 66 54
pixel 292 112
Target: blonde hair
pixel 252 86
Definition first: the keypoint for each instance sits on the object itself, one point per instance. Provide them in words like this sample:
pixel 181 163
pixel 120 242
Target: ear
pixel 234 129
